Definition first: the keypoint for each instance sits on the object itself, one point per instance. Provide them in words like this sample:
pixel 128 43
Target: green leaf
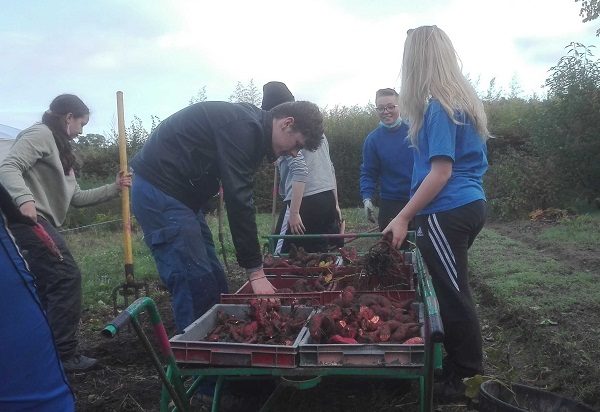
pixel 473 384
pixel 548 322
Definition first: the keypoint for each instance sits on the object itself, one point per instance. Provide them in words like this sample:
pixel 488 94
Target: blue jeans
pixel 183 249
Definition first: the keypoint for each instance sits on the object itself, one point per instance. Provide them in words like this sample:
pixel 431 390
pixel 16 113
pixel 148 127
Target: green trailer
pixel 183 366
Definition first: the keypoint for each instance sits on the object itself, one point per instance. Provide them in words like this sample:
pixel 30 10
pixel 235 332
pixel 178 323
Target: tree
pixel 515 88
pixel 576 70
pixel 199 97
pixel 493 92
pixel 136 135
pixel 92 140
pixel 246 93
pixel 590 10
pixel 568 129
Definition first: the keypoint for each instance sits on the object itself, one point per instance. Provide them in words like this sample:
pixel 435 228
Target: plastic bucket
pixel 495 397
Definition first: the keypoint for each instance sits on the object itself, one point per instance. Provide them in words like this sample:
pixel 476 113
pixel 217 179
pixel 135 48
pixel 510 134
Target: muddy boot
pixel 450 389
pixel 79 363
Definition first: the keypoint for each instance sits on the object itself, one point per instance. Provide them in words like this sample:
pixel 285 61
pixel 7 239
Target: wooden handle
pixel 124 191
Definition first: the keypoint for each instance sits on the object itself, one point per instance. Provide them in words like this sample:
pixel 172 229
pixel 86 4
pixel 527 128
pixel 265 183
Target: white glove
pixel 369 210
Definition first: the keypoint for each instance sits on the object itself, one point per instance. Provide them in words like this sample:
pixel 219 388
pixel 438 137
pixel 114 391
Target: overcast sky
pixel 161 52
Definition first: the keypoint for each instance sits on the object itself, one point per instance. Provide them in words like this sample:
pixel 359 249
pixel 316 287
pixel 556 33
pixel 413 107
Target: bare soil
pixel 127 380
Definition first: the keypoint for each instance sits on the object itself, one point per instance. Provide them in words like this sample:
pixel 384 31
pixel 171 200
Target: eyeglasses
pixel 389 108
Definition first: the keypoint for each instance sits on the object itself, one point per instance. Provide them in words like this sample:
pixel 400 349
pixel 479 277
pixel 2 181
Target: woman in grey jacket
pixel 39 174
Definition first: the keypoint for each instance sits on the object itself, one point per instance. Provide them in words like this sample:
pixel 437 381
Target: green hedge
pixel 545 153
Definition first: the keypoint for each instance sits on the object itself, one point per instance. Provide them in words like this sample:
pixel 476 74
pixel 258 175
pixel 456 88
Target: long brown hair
pixel 430 69
pixel 55 119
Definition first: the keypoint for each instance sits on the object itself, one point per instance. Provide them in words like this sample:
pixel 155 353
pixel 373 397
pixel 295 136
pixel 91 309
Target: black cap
pixel 275 93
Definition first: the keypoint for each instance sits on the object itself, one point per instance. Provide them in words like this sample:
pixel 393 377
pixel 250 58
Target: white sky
pixel 161 52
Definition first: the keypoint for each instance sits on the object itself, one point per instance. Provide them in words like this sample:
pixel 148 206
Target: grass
pixel 581 231
pixel 520 276
pixel 544 307
pixel 99 254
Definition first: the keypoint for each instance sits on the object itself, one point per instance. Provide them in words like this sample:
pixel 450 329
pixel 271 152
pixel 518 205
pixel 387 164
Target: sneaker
pixel 79 363
pixel 451 389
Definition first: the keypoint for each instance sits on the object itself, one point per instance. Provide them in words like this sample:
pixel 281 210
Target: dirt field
pixel 129 382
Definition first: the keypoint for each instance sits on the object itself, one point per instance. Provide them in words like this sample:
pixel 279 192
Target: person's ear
pixel 288 122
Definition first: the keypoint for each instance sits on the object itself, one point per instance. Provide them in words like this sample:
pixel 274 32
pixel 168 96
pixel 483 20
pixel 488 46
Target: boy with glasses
pixel 387 161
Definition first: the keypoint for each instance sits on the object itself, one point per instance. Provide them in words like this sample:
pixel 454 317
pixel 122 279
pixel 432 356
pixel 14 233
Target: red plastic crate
pixel 286 277
pixel 313 270
pixel 341 276
pixel 189 350
pixel 245 293
pixel 328 297
pixel 365 354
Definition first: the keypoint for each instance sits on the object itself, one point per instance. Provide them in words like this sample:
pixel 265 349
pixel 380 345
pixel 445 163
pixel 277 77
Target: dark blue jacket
pixel 31 376
pixel 191 151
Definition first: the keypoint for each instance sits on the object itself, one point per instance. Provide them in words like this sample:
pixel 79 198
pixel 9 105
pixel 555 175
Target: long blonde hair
pixel 430 69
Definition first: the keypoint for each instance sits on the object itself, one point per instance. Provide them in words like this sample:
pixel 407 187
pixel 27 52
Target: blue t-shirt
pixel 387 161
pixel 440 136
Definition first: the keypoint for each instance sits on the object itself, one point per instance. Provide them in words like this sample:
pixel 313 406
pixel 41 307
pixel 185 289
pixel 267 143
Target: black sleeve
pixel 239 148
pixel 10 210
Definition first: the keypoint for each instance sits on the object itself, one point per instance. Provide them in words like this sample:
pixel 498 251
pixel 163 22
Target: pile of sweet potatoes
pixel 299 258
pixel 367 318
pixel 265 324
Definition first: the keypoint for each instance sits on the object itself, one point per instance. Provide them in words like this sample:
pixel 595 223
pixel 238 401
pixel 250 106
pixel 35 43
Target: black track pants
pixel 444 239
pixel 318 216
pixel 58 283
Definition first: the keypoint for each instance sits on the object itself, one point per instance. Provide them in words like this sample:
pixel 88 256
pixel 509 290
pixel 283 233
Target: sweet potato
pixel 373 323
pixel 384 332
pixel 236 334
pixel 405 316
pixel 314 327
pixel 393 325
pixel 417 340
pixel 365 312
pixel 333 311
pixel 250 329
pixel 370 337
pixel 405 331
pixel 372 299
pixel 383 312
pixel 268 261
pixel 282 264
pixel 349 331
pixel 341 339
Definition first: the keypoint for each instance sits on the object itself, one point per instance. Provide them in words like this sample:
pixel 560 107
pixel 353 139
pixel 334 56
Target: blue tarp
pixel 31 376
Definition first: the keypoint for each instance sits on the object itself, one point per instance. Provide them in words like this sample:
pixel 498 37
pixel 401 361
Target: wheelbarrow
pixel 181 380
